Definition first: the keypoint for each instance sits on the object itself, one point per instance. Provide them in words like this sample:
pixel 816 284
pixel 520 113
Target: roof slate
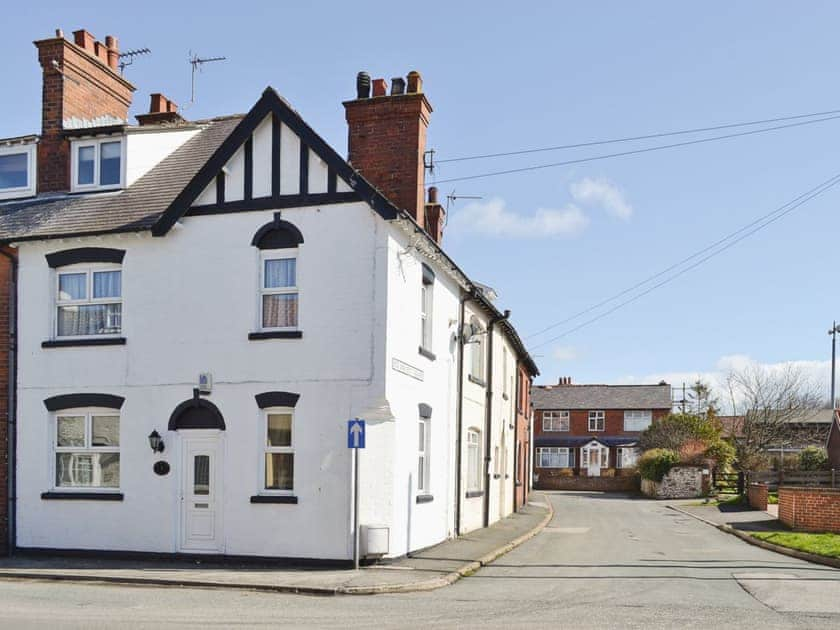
pixel 132 209
pixel 601 396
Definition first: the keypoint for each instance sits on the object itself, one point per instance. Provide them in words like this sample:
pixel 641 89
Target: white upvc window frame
pixel 549 453
pixel 96 143
pixel 478 353
pixel 427 310
pixel 268 449
pixel 474 470
pixel 424 427
pixel 266 255
pixel 31 171
pixel 550 419
pixel 596 416
pixel 88 449
pixel 620 455
pixel 646 414
pixel 89 269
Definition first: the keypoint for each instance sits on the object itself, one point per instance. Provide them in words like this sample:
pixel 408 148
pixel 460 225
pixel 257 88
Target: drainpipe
pixel 488 414
pixel 459 415
pixel 11 431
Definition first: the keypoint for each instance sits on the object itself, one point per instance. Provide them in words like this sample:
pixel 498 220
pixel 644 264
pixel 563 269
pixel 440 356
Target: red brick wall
pixel 579 423
pixel 523 445
pixel 386 142
pixel 553 479
pixel 5 319
pixel 757 496
pixel 85 88
pixel 810 509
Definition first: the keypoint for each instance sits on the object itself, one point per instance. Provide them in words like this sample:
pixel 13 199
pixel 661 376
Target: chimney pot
pixel 101 52
pixel 59 33
pixel 415 82
pixel 158 103
pixel 397 86
pixel 111 42
pixel 380 87
pixel 433 191
pixel 85 40
pixel 363 85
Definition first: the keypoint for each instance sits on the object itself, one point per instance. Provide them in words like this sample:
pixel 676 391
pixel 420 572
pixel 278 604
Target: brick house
pixel 587 436
pixel 523 435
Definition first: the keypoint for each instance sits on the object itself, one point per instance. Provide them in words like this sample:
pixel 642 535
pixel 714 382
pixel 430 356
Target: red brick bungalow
pixel 587 436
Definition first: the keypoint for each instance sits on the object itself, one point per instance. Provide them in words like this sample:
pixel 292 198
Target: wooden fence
pixel 776 478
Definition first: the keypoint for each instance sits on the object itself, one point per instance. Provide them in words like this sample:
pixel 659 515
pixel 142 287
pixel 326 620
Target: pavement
pixel 603 561
pixel 428 569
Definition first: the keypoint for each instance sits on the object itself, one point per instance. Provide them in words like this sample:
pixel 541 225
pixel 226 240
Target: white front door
pixel 201 529
pixel 593 459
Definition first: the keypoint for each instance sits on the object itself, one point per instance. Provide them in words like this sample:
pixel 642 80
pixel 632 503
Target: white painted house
pixel 231 292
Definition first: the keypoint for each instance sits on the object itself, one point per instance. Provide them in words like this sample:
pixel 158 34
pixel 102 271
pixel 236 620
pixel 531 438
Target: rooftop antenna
pixel 197 62
pixel 451 198
pixel 127 58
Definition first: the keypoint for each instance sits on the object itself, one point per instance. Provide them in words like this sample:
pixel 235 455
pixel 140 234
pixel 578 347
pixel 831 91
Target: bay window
pixel 627 457
pixel 89 301
pixel 555 457
pixel 87 449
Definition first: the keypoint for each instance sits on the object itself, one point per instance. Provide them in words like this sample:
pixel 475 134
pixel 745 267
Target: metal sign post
pixel 356 440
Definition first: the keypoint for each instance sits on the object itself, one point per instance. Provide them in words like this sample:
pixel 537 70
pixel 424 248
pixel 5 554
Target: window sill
pixel 82 496
pixel 425 498
pixel 73 343
pixel 274 498
pixel 472 494
pixel 275 334
pixel 477 381
pixel 427 353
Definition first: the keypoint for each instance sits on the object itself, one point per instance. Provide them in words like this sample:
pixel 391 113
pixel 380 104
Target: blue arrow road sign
pixel 355 433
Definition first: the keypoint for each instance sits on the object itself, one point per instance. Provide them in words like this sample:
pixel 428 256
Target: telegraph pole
pixel 835 328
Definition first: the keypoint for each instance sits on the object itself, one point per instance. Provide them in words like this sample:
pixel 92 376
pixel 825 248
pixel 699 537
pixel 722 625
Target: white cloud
pixel 813 371
pixel 604 193
pixel 493 218
pixel 565 353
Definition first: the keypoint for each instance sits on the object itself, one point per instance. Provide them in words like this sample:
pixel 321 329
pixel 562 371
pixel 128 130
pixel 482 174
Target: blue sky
pixel 505 76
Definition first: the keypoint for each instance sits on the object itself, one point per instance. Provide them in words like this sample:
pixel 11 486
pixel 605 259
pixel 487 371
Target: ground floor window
pixel 555 457
pixel 473 460
pixel 627 457
pixel 87 449
pixel 423 455
pixel 279 453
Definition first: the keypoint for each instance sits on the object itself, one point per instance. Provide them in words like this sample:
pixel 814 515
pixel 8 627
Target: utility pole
pixel 835 328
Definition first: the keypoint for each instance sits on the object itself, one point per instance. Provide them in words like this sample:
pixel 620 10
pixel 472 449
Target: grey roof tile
pixel 601 396
pixel 132 209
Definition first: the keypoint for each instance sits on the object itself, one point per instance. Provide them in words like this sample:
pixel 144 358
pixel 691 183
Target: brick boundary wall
pixel 549 481
pixel 810 509
pixel 757 496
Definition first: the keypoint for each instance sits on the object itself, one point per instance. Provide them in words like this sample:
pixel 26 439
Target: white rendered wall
pixel 146 149
pixel 190 300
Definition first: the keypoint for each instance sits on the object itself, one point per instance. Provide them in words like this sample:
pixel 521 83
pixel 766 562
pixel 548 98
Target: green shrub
pixel 722 452
pixel 813 458
pixel 655 463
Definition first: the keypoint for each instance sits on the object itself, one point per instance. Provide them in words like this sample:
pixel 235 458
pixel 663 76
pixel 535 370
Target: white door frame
pixel 193 441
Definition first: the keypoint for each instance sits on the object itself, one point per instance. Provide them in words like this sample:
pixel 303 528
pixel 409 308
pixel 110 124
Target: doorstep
pixel 428 569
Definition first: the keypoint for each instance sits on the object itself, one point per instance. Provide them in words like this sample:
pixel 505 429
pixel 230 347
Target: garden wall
pixel 552 480
pixel 810 509
pixel 681 482
pixel 757 496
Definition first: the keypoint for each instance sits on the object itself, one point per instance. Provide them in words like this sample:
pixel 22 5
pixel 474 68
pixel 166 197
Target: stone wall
pixel 757 496
pixel 810 509
pixel 681 482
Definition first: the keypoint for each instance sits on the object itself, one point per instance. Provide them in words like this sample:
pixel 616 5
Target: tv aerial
pixel 127 58
pixel 197 64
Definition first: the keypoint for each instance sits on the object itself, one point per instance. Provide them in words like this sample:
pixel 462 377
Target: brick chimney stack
pixel 81 88
pixel 387 138
pixel 435 216
pixel 161 111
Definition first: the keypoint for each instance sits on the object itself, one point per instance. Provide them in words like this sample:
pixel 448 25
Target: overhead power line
pixel 635 151
pixel 649 136
pixel 742 233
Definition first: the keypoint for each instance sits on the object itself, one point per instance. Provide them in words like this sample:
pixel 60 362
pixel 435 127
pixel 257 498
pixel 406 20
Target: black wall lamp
pixel 156 442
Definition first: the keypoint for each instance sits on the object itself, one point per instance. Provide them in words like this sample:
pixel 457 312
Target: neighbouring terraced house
pixel 587 436
pixel 201 307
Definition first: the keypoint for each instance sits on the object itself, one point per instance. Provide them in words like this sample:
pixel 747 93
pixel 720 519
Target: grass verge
pixel 827 545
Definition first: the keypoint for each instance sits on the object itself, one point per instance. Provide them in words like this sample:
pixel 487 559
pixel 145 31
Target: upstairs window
pixel 555 421
pixel 17 171
pixel 97 164
pixel 596 420
pixel 637 420
pixel 89 301
pixel 477 351
pixel 279 292
pixel 427 300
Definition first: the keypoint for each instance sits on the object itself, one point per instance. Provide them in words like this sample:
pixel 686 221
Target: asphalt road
pixel 603 562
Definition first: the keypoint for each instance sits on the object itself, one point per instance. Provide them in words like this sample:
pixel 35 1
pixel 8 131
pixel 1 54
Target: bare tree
pixel 773 406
